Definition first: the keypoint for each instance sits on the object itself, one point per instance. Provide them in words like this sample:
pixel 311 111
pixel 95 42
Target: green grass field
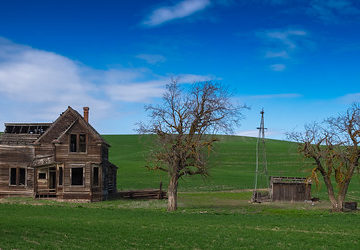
pixel 213 213
pixel 232 166
pixel 230 223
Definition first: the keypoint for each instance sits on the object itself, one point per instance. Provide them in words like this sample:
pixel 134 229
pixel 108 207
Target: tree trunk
pixel 330 190
pixel 172 193
pixel 343 191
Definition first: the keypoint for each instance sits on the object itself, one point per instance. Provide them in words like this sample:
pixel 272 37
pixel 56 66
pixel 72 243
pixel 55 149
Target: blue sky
pixel 299 60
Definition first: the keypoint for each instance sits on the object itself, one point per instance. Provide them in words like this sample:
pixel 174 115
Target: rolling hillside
pixel 232 165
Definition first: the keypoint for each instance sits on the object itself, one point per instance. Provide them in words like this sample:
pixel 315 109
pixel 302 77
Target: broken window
pixel 78 143
pixel 21 176
pixel 60 176
pixel 42 176
pixel 96 176
pixel 77 177
pixel 13 176
pixel 82 143
pixel 17 176
pixel 26 128
pixel 73 143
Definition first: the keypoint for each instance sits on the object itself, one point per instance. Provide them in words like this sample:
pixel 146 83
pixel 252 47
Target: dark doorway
pixel 52 179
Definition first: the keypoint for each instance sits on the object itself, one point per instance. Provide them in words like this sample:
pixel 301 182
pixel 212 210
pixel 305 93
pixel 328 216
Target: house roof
pixel 28 124
pixel 18 139
pixel 29 133
pixel 75 117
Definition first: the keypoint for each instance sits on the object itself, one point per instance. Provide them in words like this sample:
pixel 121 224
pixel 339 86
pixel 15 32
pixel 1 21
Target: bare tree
pixel 186 124
pixel 334 147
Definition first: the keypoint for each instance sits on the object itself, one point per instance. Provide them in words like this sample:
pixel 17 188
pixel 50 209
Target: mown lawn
pixel 231 223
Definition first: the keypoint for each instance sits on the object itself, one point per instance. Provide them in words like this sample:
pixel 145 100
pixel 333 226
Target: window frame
pixel 77 146
pixel 17 177
pixel 83 172
pixel 60 174
pixel 10 175
pixel 98 176
pixel 42 171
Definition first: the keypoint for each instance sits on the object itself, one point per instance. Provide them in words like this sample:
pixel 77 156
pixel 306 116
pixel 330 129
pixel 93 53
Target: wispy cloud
pixel 143 92
pixel 180 10
pixel 328 11
pixel 152 58
pixel 284 38
pixel 332 10
pixel 350 98
pixel 274 54
pixel 271 96
pixel 278 67
pixel 282 44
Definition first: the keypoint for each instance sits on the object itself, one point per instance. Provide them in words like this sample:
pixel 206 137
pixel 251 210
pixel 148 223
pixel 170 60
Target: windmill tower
pixel 261 173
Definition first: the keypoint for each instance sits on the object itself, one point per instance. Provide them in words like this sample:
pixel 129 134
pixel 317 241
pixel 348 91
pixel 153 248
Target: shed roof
pixel 289 180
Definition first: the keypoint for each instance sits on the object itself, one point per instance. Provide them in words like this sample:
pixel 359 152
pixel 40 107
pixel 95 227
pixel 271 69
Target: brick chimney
pixel 86 114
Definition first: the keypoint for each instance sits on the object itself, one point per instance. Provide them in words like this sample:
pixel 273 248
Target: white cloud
pixel 190 78
pixel 41 80
pixel 288 37
pixel 135 91
pixel 280 54
pixel 282 44
pixel 37 85
pixel 182 9
pixel 275 96
pixel 251 133
pixel 350 98
pixel 255 133
pixel 152 58
pixel 278 67
pixel 332 10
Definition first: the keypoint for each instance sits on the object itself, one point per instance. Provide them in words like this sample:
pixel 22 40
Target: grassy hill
pixel 204 220
pixel 232 165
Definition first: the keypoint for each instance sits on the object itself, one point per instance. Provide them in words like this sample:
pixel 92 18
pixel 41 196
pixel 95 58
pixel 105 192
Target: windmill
pixel 261 173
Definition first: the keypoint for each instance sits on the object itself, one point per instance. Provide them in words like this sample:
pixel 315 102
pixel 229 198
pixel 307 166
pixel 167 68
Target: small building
pixel 289 189
pixel 66 159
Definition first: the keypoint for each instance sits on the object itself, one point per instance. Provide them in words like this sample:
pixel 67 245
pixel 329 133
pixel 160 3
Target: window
pixel 17 176
pixel 77 178
pixel 21 176
pixel 60 176
pixel 73 143
pixel 96 176
pixel 82 143
pixel 78 143
pixel 42 176
pixel 13 176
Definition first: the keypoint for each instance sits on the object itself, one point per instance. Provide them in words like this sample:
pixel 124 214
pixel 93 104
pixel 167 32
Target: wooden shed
pixel 289 189
pixel 66 159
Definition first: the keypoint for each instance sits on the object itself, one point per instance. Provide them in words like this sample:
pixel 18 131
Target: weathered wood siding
pixel 16 157
pixel 48 152
pixel 69 159
pixel 291 192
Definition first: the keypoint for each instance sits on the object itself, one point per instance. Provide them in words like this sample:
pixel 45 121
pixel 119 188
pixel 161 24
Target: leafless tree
pixel 334 148
pixel 186 124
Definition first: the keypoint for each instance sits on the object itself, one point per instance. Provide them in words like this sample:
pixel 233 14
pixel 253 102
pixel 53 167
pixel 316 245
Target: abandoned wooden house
pixel 289 189
pixel 66 159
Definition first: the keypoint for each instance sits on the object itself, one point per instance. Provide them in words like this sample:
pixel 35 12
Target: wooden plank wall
pixel 16 157
pixel 291 192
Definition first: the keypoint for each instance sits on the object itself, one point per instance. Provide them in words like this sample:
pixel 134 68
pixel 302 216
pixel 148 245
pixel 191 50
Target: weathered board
pixel 290 189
